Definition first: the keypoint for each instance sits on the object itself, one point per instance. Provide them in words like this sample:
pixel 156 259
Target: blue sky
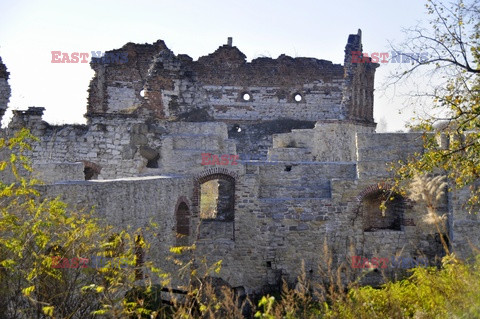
pixel 30 30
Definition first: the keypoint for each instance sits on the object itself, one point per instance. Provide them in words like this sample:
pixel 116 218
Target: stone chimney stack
pixel 230 41
pixel 354 44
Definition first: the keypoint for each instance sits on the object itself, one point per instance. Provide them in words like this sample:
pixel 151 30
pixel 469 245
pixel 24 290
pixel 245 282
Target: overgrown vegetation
pixel 44 247
pixel 452 126
pixel 35 231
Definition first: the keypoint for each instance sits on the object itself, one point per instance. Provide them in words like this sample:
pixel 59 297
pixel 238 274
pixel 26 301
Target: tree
pixel 47 252
pixel 453 44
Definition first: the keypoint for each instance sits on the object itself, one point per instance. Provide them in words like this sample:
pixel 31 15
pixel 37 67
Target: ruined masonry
pixel 311 170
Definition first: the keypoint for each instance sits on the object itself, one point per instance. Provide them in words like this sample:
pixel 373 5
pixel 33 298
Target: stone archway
pixel 91 170
pixel 182 222
pixel 390 217
pixel 214 194
pixel 214 201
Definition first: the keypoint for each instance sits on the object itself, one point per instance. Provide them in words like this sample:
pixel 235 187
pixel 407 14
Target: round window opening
pixel 298 97
pixel 246 96
pixel 142 93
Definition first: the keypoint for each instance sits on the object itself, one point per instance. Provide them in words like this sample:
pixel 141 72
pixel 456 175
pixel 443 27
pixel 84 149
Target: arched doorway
pixel 182 224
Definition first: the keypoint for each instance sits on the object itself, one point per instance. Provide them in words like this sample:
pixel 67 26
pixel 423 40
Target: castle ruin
pixel 260 163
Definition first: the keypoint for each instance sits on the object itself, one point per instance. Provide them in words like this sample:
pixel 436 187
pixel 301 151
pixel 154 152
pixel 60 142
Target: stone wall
pixel 310 169
pixel 359 82
pixel 52 172
pixel 260 96
pixel 133 202
pixel 118 146
pixel 464 223
pixel 375 152
pixel 285 210
pixel 272 232
pixel 215 85
pixel 329 141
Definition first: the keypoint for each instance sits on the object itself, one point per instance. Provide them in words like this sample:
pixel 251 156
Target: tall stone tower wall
pixel 359 82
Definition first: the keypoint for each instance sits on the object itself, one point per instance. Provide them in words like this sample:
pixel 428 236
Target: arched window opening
pixel 217 199
pixel 91 170
pixel 182 216
pixel 375 219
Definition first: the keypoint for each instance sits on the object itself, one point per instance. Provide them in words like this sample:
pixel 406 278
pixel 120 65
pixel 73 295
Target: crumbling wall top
pixel 157 84
pixel 4 88
pixel 228 66
pixel 4 74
